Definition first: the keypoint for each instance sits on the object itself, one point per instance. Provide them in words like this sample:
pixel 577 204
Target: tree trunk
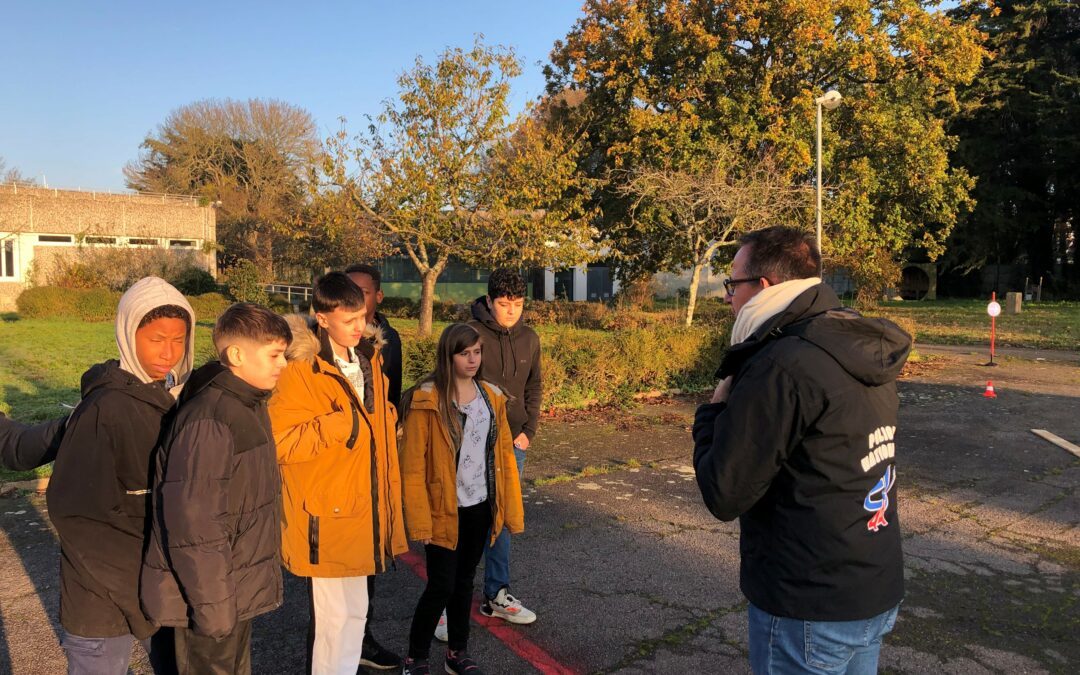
pixel 691 302
pixel 427 301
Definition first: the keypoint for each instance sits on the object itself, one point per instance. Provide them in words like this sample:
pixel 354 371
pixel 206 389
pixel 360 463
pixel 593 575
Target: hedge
pixel 635 352
pixel 98 304
pixel 583 367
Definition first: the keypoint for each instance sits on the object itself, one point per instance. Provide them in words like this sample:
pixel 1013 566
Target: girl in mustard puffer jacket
pixel 460 482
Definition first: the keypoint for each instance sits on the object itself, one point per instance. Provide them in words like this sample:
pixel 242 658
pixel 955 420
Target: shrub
pixel 208 306
pixel 116 269
pixel 403 308
pixel 194 281
pixel 94 304
pixel 243 283
pixel 417 357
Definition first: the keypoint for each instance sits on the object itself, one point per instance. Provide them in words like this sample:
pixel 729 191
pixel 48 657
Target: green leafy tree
pixel 666 79
pixel 444 172
pixel 1019 133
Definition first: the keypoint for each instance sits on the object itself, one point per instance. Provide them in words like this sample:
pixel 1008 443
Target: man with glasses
pixel 798 443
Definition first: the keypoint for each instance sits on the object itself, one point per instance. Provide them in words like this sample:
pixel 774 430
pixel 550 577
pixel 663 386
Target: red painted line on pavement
pixel 504 632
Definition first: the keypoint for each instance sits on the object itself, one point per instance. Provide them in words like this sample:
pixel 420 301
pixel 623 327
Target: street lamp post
pixel 829 101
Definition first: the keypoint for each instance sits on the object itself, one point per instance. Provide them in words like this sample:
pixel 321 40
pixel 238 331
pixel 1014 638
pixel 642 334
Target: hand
pixel 521 442
pixel 723 388
pixel 425 542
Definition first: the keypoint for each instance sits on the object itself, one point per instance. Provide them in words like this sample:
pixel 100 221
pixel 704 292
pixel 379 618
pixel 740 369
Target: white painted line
pixel 1057 440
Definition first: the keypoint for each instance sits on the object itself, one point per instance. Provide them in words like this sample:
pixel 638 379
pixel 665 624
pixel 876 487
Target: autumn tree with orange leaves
pixel 666 80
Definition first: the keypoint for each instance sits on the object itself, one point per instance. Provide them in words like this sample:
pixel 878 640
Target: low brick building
pixel 38 224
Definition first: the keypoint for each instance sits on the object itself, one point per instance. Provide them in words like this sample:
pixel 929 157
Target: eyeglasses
pixel 730 284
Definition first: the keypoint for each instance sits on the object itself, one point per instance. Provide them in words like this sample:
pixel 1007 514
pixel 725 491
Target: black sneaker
pixel 459 663
pixel 415 667
pixel 374 655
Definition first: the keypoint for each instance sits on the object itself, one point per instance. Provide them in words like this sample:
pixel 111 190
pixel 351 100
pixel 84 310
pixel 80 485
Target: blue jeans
pixel 779 645
pixel 497 557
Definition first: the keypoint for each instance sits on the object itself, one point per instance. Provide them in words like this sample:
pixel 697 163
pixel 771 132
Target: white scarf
pixel 766 304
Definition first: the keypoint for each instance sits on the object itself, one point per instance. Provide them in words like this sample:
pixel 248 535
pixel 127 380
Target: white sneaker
pixel 508 608
pixel 440 631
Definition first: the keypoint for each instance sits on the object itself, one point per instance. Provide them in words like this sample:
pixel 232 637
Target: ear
pixel 765 283
pixel 321 319
pixel 378 297
pixel 234 356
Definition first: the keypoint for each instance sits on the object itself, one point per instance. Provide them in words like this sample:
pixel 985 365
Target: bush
pixel 244 284
pixel 98 304
pixel 94 304
pixel 583 367
pixel 417 358
pixel 116 269
pixel 402 308
pixel 194 281
pixel 208 306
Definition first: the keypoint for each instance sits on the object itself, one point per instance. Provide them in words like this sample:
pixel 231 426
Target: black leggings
pixel 451 574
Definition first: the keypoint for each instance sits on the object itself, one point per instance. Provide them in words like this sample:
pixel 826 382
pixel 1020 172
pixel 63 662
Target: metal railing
pixel 294 294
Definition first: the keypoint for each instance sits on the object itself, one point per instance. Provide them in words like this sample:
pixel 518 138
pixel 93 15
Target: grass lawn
pixel 1045 325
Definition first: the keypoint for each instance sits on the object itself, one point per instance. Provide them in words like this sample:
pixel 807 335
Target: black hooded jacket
pixel 512 362
pixel 213 557
pixel 802 453
pixel 391 355
pixel 98 498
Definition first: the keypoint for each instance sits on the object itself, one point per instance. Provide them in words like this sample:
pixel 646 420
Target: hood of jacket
pixel 109 375
pixel 871 350
pixel 482 313
pixel 308 341
pixel 144 296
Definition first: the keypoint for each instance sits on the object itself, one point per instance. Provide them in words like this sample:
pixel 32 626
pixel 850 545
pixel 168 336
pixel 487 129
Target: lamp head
pixel 830 100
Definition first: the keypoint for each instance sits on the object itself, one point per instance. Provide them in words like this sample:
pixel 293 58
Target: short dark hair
pixel 781 254
pixel 505 283
pixel 336 289
pixel 249 321
pixel 165 312
pixel 370 270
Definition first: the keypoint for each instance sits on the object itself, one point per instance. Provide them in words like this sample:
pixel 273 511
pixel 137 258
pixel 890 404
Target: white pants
pixel 340 607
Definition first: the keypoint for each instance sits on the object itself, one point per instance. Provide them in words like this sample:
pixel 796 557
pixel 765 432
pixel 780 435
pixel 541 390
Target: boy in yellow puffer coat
pixel 337 451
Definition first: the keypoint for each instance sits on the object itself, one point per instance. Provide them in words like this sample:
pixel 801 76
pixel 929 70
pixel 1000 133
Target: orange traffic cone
pixel 989 393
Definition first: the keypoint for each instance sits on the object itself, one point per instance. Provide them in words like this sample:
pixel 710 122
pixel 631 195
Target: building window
pixel 182 243
pixel 7 260
pixel 143 242
pixel 55 238
pixel 101 240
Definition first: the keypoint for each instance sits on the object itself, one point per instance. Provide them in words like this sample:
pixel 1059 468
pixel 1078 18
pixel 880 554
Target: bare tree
pixel 252 158
pixel 690 214
pixel 13 175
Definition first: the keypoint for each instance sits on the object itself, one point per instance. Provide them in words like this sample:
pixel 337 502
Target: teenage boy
pixel 512 362
pixel 213 562
pixel 99 493
pixel 337 451
pixel 369 279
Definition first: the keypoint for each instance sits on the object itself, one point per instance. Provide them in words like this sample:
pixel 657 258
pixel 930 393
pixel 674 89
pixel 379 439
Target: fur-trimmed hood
pixel 306 344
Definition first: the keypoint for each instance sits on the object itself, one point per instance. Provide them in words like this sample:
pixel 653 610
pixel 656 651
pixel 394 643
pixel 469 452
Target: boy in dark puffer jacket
pixel 213 560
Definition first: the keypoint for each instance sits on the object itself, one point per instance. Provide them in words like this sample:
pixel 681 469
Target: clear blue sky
pixel 84 83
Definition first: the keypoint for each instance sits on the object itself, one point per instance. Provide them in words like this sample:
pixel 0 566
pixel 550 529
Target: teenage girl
pixel 460 482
